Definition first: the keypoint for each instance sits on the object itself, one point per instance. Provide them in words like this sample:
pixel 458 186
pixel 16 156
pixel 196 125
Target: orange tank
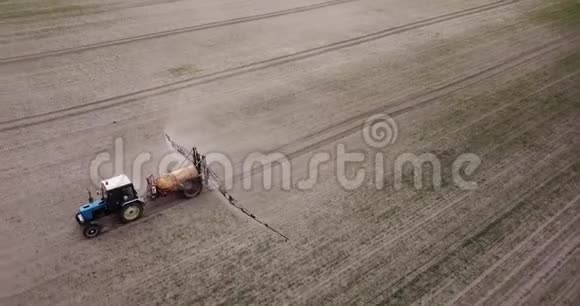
pixel 173 181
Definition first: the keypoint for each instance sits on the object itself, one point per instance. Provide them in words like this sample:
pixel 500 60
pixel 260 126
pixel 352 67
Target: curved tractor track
pixel 409 104
pixel 481 78
pixel 200 27
pixel 236 71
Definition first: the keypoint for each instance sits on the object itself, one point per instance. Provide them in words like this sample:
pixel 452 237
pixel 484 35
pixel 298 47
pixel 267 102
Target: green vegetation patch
pixel 14 9
pixel 571 63
pixel 563 12
pixel 185 70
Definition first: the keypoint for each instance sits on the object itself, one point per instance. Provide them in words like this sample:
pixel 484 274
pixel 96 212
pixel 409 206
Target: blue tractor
pixel 118 196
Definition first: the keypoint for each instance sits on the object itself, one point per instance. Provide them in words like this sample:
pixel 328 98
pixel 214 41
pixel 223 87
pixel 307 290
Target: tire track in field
pixel 393 109
pixel 10 147
pixel 157 275
pixel 410 220
pixel 186 258
pixel 517 251
pixel 76 269
pixel 443 201
pixel 510 138
pixel 127 98
pixel 515 132
pixel 520 194
pixel 314 244
pixel 540 257
pixel 147 217
pixel 541 89
pixel 242 233
pixel 420 222
pixel 569 131
pixel 196 255
pixel 525 206
pixel 199 27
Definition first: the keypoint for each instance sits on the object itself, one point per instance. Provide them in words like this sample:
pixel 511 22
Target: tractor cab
pixel 116 191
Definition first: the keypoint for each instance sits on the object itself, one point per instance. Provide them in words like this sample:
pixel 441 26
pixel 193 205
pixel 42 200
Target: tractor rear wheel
pixel 192 188
pixel 131 212
pixel 91 230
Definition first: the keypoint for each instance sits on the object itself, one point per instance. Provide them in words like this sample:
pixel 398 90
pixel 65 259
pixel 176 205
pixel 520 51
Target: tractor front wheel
pixel 91 230
pixel 131 212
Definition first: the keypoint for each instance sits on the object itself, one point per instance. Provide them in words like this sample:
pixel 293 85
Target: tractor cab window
pixel 128 193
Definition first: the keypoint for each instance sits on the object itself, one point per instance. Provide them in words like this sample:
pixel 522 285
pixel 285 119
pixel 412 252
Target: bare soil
pixel 498 79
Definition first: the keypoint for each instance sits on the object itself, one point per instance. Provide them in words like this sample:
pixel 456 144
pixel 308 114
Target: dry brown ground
pixel 297 77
